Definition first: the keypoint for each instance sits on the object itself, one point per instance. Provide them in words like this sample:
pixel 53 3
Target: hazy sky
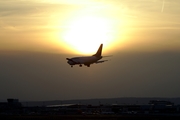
pixel 37 35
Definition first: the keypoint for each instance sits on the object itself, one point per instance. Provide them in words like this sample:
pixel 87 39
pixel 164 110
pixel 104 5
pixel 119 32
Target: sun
pixel 85 34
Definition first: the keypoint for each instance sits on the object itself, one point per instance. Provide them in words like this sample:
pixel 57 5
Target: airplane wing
pixel 101 61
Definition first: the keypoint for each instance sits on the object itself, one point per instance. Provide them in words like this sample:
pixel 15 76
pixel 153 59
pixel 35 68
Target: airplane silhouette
pixel 87 60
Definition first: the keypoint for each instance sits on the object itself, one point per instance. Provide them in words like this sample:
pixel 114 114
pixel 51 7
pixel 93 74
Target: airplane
pixel 87 60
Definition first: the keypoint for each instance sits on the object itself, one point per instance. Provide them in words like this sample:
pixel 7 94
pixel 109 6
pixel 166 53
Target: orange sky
pixel 63 26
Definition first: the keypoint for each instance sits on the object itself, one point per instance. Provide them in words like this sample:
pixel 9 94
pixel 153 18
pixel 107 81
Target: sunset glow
pixel 86 33
pixel 78 26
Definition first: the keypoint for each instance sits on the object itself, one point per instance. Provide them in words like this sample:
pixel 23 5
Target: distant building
pixel 12 106
pixel 11 100
pixel 160 102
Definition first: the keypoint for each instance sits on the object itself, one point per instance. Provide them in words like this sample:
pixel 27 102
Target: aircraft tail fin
pixel 98 53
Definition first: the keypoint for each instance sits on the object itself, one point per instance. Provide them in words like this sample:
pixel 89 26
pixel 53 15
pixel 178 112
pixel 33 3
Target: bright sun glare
pixel 84 35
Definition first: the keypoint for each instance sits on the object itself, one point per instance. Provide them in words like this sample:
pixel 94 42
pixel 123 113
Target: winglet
pixel 98 53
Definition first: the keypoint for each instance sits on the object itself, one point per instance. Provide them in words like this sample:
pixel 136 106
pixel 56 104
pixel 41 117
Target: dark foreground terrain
pixel 154 110
pixel 89 117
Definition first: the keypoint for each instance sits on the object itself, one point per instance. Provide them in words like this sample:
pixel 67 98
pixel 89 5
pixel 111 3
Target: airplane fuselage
pixel 84 60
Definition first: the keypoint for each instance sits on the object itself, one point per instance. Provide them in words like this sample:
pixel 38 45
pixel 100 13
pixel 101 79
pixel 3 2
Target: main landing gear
pixel 81 65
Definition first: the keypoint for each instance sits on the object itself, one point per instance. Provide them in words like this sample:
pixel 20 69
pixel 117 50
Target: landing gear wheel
pixel 80 65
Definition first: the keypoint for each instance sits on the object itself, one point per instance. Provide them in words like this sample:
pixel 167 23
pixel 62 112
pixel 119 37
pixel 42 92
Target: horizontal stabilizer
pixel 108 56
pixel 101 61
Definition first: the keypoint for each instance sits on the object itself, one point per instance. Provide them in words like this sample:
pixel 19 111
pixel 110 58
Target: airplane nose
pixel 70 62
